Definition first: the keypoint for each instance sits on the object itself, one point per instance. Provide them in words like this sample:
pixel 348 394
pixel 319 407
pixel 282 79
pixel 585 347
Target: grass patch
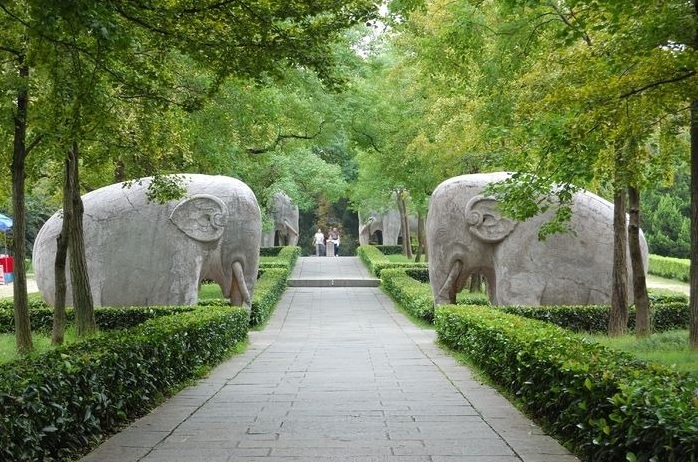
pixel 41 340
pixel 669 348
pixel 210 291
pixel 399 258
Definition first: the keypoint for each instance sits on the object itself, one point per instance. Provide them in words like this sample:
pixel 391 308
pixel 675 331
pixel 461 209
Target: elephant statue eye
pixel 474 218
pixel 218 219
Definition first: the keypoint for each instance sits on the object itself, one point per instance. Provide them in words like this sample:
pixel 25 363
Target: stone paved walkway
pixel 337 375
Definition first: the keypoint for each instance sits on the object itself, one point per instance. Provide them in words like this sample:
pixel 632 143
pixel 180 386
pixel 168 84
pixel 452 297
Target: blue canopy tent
pixel 5 224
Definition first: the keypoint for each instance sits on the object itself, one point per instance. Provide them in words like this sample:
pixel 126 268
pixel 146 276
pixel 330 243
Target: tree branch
pixel 568 23
pixel 658 83
pixel 280 138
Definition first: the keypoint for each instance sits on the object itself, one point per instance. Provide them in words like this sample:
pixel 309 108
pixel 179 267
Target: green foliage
pixel 670 348
pixel 268 291
pixel 269 251
pixel 669 267
pixel 371 256
pixel 390 249
pixel 665 217
pixel 415 297
pixel 376 261
pixel 594 318
pixel 60 402
pixel 607 404
pixel 270 284
pixel 419 274
pixel 41 315
pixel 408 288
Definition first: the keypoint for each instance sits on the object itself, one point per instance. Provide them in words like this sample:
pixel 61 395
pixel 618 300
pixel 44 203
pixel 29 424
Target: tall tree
pixel 122 50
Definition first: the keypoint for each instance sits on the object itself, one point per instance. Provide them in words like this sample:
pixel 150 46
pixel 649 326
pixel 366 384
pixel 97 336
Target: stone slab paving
pixel 337 375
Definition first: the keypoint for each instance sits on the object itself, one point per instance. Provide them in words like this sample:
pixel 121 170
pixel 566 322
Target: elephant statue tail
pixel 239 295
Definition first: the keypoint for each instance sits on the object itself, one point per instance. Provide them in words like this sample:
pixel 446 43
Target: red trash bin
pixel 8 268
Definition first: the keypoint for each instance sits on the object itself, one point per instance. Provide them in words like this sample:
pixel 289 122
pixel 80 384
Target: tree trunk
pixel 404 225
pixel 23 334
pixel 59 317
pixel 643 325
pixel 618 318
pixel 82 296
pixel 421 238
pixel 693 302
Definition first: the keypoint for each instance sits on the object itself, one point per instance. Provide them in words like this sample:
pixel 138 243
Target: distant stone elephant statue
pixel 284 214
pixel 141 253
pixel 466 234
pixel 387 223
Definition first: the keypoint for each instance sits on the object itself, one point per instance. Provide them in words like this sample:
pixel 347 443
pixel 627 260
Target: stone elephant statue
pixel 284 214
pixel 387 223
pixel 142 253
pixel 466 234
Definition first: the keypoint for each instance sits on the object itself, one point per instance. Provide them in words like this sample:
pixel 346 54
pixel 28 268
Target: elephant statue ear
pixel 201 217
pixel 486 221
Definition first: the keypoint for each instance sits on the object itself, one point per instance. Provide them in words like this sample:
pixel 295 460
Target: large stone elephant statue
pixel 466 234
pixel 141 252
pixel 284 214
pixel 387 223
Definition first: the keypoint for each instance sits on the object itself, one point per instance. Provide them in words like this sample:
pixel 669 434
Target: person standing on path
pixel 334 240
pixel 319 242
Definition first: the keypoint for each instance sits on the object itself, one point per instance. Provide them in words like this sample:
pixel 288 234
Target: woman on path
pixel 319 242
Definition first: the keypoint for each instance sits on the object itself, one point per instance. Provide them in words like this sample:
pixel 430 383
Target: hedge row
pixel 41 316
pixel 267 292
pixel 608 405
pixel 392 249
pixel 594 318
pixel 669 267
pixel 55 405
pixel 416 297
pixel 376 261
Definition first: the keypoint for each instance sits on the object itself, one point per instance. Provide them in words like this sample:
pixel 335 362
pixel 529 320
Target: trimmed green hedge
pixel 267 293
pixel 284 257
pixel 270 251
pixel 594 318
pixel 370 255
pixel 376 261
pixel 608 405
pixel 56 404
pixel 41 316
pixel 669 267
pixel 392 249
pixel 416 297
pixel 270 286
